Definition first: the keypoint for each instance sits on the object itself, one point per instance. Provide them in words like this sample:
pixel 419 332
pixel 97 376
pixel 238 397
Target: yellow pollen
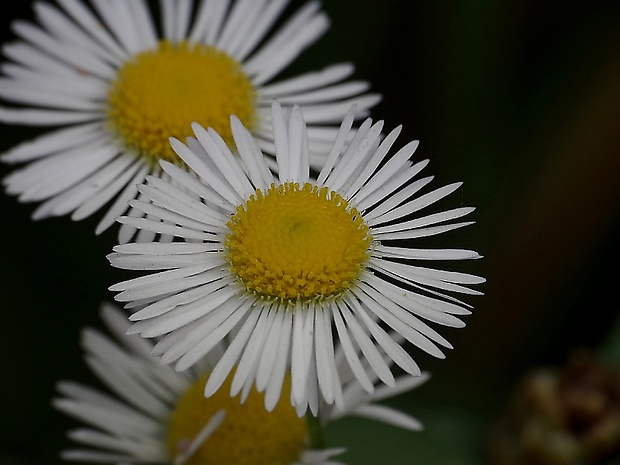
pixel 297 243
pixel 160 92
pixel 248 435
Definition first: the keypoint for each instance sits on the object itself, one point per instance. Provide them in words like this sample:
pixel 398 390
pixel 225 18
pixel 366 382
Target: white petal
pixel 232 354
pixel 392 348
pixel 31 117
pixel 274 387
pixel 388 415
pixel 306 82
pixel 211 338
pixel 84 16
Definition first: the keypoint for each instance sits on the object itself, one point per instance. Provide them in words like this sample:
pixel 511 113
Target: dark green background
pixel 520 99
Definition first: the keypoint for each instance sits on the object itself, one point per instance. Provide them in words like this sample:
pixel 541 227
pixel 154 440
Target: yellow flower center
pixel 297 242
pixel 159 93
pixel 248 435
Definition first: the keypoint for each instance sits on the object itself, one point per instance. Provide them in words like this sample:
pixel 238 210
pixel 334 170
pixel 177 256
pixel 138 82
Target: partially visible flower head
pixel 115 86
pixel 156 415
pixel 284 265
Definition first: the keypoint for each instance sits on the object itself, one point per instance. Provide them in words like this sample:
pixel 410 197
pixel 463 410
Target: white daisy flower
pixel 287 264
pixel 115 85
pixel 160 416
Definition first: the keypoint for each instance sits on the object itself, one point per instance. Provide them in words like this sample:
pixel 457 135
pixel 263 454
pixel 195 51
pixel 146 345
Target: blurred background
pixel 519 99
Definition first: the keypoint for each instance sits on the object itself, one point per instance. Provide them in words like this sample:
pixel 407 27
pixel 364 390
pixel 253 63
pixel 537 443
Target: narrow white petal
pixel 278 372
pixel 420 232
pixel 209 21
pixel 117 17
pixel 144 450
pixel 403 384
pixel 367 346
pixel 299 355
pixel 79 455
pixel 388 415
pixel 368 168
pixel 297 34
pixel 326 383
pixel 168 303
pixel 191 185
pixel 413 206
pixel 225 160
pixel 296 127
pixel 424 254
pixel 81 193
pixel 440 279
pixel 392 193
pixel 163 228
pixel 403 323
pixel 341 138
pixel 350 352
pixel 144 24
pixel 57 23
pixel 267 357
pixel 334 112
pixel 306 82
pixel 156 279
pixel 325 94
pixel 363 142
pixel 260 26
pixel 184 314
pixel 72 55
pixel 186 218
pixel 234 312
pixel 33 117
pixel 36 60
pixel 118 324
pixel 258 171
pixel 207 431
pixel 125 173
pixel 54 141
pixel 392 348
pixel 232 354
pixel 280 139
pixel 121 203
pixel 431 309
pixel 89 22
pixel 252 350
pixel 196 164
pixel 396 164
pixel 75 85
pixel 26 94
pixel 242 17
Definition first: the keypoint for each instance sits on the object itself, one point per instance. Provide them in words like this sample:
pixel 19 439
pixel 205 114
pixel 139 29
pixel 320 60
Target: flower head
pixel 116 85
pixel 284 265
pixel 156 415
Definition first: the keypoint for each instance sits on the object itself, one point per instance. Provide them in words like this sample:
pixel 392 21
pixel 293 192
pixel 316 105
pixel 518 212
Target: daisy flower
pixel 114 84
pixel 287 264
pixel 157 415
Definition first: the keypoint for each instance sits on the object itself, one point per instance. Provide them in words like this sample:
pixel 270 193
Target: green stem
pixel 315 431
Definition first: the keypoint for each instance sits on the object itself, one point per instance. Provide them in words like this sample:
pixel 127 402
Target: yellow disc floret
pixel 161 92
pixel 248 435
pixel 297 242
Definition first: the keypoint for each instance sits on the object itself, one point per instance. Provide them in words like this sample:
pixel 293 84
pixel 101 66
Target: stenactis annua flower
pixel 115 85
pixel 157 415
pixel 287 264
